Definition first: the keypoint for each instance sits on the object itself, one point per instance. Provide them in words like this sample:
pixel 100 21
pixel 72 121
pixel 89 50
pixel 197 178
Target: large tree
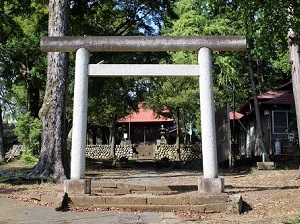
pixel 2 151
pixel 53 157
pixel 293 19
pixel 196 18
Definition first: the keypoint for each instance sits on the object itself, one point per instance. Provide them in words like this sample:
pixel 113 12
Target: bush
pixel 28 130
pixel 28 158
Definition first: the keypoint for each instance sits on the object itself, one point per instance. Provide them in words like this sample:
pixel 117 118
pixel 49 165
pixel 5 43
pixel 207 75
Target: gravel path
pixel 18 212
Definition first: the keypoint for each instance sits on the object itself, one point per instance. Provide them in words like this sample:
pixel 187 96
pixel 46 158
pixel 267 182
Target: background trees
pixel 22 62
pixel 181 95
pixel 113 98
pixel 265 24
pixel 22 65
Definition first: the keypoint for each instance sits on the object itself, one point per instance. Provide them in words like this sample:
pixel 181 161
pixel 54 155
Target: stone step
pixel 143 156
pixel 191 201
pixel 145 152
pixel 211 208
pixel 123 191
pixel 194 202
pixel 127 188
pixel 115 191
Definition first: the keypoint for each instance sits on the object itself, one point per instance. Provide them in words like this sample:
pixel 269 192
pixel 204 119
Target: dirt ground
pixel 270 196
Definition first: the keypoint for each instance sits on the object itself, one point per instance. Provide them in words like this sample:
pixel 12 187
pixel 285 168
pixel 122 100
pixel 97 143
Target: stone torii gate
pixel 210 182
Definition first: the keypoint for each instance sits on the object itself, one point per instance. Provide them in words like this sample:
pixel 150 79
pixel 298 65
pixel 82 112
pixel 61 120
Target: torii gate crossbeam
pixel 142 43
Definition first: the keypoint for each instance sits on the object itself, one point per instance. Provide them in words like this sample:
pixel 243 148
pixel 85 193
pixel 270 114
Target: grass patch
pixel 15 172
pixel 292 220
pixel 15 165
pixel 14 178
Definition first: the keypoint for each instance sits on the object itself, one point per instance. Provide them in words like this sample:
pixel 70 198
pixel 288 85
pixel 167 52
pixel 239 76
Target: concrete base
pixel 265 165
pixel 211 185
pixel 77 186
pixel 156 203
pixel 158 198
pixel 161 203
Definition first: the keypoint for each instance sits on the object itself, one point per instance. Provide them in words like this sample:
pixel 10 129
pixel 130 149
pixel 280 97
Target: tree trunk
pixel 177 134
pixel 261 78
pixel 112 137
pixel 33 98
pixel 2 152
pixel 53 159
pixel 184 130
pixel 259 138
pixel 295 64
pixel 112 141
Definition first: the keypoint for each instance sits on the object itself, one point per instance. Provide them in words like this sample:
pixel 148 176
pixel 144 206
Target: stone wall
pixel 165 151
pixel 103 151
pixel 98 151
pixel 187 152
pixel 124 151
pixel 190 152
pixel 14 152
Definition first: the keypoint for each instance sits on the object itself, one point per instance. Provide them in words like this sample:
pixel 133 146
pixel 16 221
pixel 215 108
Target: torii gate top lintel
pixel 142 43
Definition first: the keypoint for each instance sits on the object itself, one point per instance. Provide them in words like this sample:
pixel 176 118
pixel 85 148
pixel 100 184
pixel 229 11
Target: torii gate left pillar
pixel 210 182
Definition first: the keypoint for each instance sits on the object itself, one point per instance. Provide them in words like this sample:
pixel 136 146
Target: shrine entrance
pixel 210 182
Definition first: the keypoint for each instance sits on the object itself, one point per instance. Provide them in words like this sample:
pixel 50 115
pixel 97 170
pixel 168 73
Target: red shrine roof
pixel 280 96
pixel 237 115
pixel 144 115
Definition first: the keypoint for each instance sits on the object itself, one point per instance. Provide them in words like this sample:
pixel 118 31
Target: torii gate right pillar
pixel 209 183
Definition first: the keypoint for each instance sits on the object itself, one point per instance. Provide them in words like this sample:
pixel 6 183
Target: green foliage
pixel 119 18
pixel 28 130
pixel 201 18
pixel 292 220
pixel 22 63
pixel 180 95
pixel 114 98
pixel 266 24
pixel 29 158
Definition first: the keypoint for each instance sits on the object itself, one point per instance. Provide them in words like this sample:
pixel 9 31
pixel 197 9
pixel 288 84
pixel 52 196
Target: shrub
pixel 28 130
pixel 28 158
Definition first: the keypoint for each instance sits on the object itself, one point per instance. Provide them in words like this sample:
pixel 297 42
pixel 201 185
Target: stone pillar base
pixel 77 186
pixel 211 185
pixel 266 165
